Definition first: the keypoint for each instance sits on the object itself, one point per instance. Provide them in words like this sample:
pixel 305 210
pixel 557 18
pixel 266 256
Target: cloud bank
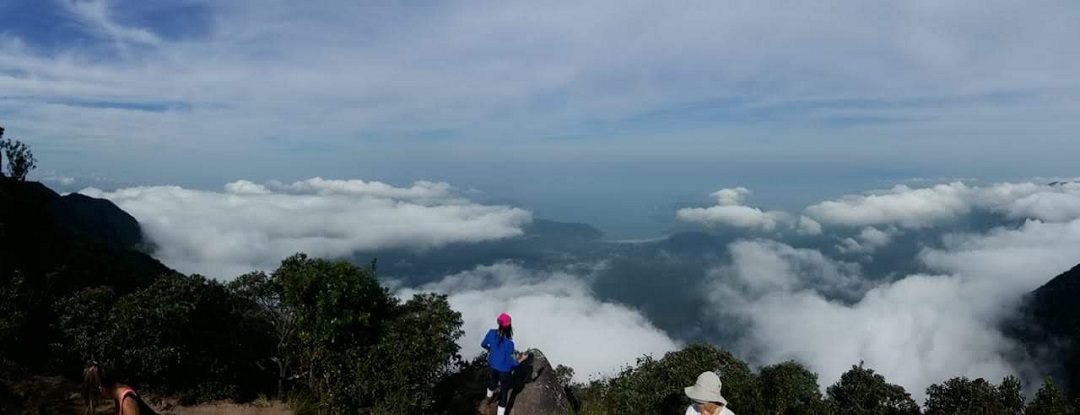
pixel 916 208
pixel 252 226
pixel 730 211
pixel 916 329
pixel 788 298
pixel 553 311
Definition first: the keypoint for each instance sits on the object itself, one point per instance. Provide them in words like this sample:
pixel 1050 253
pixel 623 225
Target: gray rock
pixel 537 390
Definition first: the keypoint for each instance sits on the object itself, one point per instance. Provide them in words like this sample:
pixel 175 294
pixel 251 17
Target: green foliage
pixel 185 334
pixel 1050 400
pixel 82 318
pixel 656 386
pixel 565 375
pixel 354 345
pixel 788 388
pixel 261 309
pixel 418 348
pixel 20 159
pixel 861 391
pixel 14 298
pixel 963 396
pixel 1011 394
pixel 340 312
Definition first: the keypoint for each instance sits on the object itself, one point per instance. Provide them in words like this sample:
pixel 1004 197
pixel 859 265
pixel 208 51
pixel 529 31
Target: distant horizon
pixel 650 220
pixel 576 111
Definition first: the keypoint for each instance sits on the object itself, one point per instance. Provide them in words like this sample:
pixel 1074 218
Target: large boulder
pixel 537 390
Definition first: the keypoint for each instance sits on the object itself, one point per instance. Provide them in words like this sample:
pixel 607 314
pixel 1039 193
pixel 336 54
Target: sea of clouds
pixel 811 302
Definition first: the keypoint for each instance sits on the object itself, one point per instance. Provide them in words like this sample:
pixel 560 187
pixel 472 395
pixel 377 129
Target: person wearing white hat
pixel 706 396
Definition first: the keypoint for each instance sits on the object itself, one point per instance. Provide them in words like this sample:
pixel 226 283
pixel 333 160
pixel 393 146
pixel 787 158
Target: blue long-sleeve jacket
pixel 500 352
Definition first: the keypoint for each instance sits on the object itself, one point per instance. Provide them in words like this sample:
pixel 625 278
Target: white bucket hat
pixel 707 389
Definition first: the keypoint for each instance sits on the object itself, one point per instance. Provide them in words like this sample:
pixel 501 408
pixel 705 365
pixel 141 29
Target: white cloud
pixel 808 226
pixel 868 240
pixel 555 312
pixel 96 15
pixel 917 330
pixel 762 267
pixel 926 207
pixel 421 190
pixel 224 234
pixel 244 187
pixel 731 197
pixel 730 212
pixel 1058 206
pixel 903 205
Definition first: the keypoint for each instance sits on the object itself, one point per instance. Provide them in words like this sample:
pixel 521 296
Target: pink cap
pixel 504 320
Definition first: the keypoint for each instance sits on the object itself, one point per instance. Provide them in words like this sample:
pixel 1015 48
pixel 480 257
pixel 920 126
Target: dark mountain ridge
pixel 52 246
pixel 1048 325
pixel 97 219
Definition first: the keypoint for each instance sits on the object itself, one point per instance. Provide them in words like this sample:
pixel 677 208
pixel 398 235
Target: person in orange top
pixel 99 384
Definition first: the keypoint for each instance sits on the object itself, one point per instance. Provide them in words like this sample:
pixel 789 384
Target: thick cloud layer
pixel 931 314
pixel 252 226
pixel 553 311
pixel 917 329
pixel 924 207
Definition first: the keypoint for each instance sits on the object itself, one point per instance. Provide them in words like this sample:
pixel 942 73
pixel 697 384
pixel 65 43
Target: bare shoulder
pixel 131 406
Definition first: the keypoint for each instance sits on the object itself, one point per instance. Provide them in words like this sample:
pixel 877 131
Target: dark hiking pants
pixel 501 381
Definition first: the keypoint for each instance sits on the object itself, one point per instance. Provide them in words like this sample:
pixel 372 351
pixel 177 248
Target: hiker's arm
pixel 516 360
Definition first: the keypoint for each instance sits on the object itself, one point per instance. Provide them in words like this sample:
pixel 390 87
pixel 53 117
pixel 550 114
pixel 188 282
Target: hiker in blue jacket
pixel 500 346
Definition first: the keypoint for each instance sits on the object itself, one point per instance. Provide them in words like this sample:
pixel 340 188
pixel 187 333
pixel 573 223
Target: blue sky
pixel 605 112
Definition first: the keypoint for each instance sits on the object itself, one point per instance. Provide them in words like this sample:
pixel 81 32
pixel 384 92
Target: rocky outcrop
pixel 537 390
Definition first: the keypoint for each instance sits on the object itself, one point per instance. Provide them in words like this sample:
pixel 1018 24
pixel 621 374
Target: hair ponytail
pixel 505 332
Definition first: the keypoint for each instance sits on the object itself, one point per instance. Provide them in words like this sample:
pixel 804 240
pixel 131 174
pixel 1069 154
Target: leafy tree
pixel 20 159
pixel 1049 400
pixel 1011 393
pixel 264 306
pixel 184 335
pixel 565 374
pixel 788 388
pixel 340 312
pixel 83 321
pixel 861 391
pixel 356 347
pixel 655 386
pixel 14 298
pixel 418 348
pixel 963 396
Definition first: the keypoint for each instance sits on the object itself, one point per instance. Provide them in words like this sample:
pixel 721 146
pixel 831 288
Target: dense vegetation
pixel 326 333
pixel 652 387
